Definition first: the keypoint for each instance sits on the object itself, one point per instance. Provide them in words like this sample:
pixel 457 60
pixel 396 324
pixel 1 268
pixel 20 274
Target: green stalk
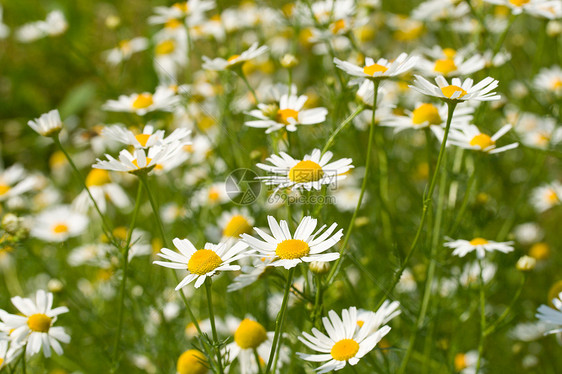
pixel 279 321
pixel 257 357
pixel 105 225
pixel 124 280
pixel 23 361
pixel 242 76
pixel 492 328
pixel 208 286
pixel 427 200
pixel 482 318
pixel 337 265
pixel 342 126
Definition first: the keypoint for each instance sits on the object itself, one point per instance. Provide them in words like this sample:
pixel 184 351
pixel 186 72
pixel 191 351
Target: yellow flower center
pixel 292 248
pixel 449 52
pixel 552 196
pixel 60 228
pixel 203 261
pixel 519 2
pixel 450 91
pixel 478 241
pixel 142 139
pixel 557 84
pixel 1 362
pixel 120 232
pixel 237 226
pixel 539 251
pixel 375 68
pixel 39 322
pixel 232 58
pixel 181 6
pixel 136 163
pixel 306 171
pixel 460 361
pixel 338 26
pixel 4 188
pixel 172 23
pixel 283 115
pixel 344 349
pixel 445 66
pixel 166 47
pixel 192 362
pixel 125 45
pixel 214 195
pixel 97 177
pixel 426 113
pixel 360 323
pixel 483 141
pixel 250 334
pixel 143 100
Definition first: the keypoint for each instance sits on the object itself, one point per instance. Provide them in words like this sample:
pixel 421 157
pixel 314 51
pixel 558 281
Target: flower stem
pixel 427 200
pixel 124 279
pixel 23 361
pixel 257 357
pixel 335 269
pixel 482 318
pixel 245 80
pixel 208 288
pixel 342 126
pixel 105 225
pixel 492 328
pixel 279 321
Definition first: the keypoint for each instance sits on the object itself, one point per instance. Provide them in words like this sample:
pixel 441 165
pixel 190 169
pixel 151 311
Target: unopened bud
pixel 289 61
pixel 319 267
pixel 526 263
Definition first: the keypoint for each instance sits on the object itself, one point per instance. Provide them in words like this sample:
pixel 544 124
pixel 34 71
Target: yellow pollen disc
pixel 172 23
pixel 120 232
pixel 165 48
pixel 60 228
pixel 203 261
pixel 232 58
pixel 125 45
pixel 338 26
pixel 192 362
pixel 292 248
pixel 539 251
pixel 557 84
pixel 445 66
pixel 360 323
pixel 1 362
pixel 483 141
pixel 375 68
pixel 143 100
pixel 552 196
pixel 135 162
pixel 426 113
pixel 283 115
pixel 181 6
pixel 449 52
pixel 306 171
pixel 519 2
pixel 188 148
pixel 344 349
pixel 460 361
pixel 236 226
pixel 142 139
pixel 450 91
pixel 478 241
pixel 214 194
pixel 4 188
pixel 97 177
pixel 250 334
pixel 39 322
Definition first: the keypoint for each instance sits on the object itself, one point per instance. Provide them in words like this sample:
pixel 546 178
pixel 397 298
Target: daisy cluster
pixel 310 186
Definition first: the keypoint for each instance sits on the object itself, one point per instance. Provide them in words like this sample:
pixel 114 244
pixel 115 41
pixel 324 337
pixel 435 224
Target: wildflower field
pixel 264 187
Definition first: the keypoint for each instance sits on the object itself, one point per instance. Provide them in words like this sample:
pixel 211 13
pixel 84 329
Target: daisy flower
pixel 535 131
pixel 249 274
pixel 164 99
pixel 147 138
pixel 34 324
pixel 14 181
pixel 48 124
pixel 235 223
pixel 451 66
pixel 288 115
pixel 125 49
pixel 213 195
pixel 55 24
pixel 58 224
pixel 250 335
pixel 382 69
pixel 201 263
pixel 545 8
pixel 101 189
pixel 480 245
pixel 290 250
pixel 428 115
pixel 313 171
pixel 546 196
pixel 458 90
pixel 550 80
pixel 347 341
pixel 140 160
pixel 194 9
pixel 219 64
pixel 469 137
pixel 436 10
pixel 551 315
pixel 465 363
pixel 192 361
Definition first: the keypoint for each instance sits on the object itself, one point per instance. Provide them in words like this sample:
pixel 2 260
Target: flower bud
pixel 319 267
pixel 526 263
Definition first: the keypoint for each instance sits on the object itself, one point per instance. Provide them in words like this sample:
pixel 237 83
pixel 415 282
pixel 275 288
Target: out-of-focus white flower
pixel 551 315
pixel 234 60
pixel 55 24
pixel 549 80
pixel 14 181
pixel 48 124
pixel 59 223
pixel 546 196
pixel 125 50
pixel 164 99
